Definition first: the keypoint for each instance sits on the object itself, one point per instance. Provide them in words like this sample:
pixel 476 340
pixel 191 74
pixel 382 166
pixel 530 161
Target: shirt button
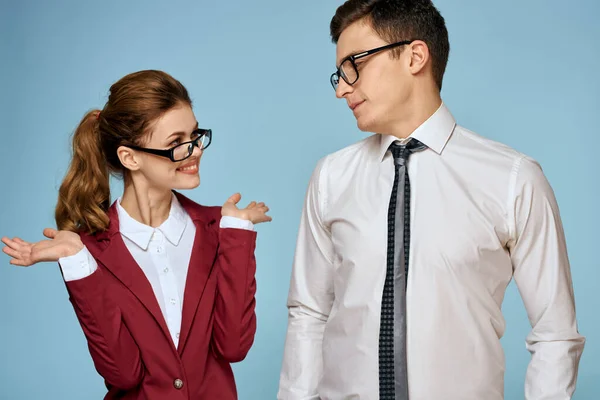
pixel 173 301
pixel 159 249
pixel 177 335
pixel 178 384
pixel 166 270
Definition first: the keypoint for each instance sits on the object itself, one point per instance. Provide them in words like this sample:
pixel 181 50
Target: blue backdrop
pixel 524 72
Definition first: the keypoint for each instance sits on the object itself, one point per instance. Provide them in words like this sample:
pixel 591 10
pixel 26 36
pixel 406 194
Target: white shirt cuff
pixel 238 223
pixel 78 266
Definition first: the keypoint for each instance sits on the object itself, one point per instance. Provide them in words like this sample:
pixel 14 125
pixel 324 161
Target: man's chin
pixel 365 124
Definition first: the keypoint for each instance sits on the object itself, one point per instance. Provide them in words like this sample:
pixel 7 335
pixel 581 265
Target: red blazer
pixel 127 335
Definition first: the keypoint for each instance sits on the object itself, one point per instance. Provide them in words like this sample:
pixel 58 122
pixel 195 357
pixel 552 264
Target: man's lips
pixel 356 104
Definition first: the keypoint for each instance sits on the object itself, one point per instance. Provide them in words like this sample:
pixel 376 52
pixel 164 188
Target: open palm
pixel 25 254
pixel 254 212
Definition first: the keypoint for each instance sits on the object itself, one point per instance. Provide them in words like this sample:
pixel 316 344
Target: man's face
pixel 377 98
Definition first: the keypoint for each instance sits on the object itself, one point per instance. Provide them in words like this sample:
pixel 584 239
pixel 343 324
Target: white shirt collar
pixel 434 132
pixel 141 234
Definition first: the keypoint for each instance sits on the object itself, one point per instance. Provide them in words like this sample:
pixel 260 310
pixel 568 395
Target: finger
pixel 21 241
pixel 261 204
pixel 234 198
pixel 263 218
pixel 259 216
pixel 12 244
pixel 251 205
pixel 20 263
pixel 50 233
pixel 11 252
pixel 262 210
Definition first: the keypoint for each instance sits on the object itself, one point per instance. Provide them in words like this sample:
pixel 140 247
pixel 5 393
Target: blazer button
pixel 178 383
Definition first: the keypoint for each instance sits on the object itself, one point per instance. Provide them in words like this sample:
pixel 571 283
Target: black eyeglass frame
pixel 169 153
pixel 335 77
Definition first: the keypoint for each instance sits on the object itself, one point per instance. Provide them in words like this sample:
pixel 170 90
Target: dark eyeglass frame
pixel 335 77
pixel 169 153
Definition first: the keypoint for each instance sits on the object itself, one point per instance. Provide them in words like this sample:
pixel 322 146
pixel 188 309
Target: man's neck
pixel 415 114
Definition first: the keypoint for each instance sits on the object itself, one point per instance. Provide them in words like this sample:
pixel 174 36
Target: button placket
pixel 168 283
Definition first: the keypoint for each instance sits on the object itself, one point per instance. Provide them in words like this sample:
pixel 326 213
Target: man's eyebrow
pixel 350 54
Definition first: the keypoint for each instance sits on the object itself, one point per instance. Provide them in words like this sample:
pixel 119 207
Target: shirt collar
pixel 434 132
pixel 141 234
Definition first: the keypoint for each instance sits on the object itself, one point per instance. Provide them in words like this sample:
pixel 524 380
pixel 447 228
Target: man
pixel 409 238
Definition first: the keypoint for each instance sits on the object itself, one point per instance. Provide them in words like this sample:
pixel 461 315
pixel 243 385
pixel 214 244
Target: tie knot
pixel 402 151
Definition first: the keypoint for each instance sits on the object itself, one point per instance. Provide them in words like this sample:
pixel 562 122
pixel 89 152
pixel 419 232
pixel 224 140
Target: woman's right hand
pixel 61 244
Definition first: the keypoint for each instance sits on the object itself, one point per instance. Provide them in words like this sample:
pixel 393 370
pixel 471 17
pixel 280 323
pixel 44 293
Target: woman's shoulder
pixel 199 211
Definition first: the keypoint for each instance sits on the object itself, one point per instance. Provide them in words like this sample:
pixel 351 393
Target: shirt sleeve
pixel 543 277
pixel 236 223
pixel 310 299
pixel 77 266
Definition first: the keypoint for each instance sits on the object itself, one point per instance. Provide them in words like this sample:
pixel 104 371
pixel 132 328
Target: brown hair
pixel 397 20
pixel 134 103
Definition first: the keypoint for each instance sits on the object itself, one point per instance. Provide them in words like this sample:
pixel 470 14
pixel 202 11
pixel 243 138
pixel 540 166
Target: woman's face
pixel 174 127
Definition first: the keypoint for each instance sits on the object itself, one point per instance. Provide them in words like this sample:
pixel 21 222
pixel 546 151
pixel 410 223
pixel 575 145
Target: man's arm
pixel 543 277
pixel 310 299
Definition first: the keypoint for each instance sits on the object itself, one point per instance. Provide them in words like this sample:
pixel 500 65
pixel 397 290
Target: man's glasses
pixel 183 150
pixel 348 70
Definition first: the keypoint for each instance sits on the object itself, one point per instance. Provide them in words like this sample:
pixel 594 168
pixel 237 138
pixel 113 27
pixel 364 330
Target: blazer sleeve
pixel 234 311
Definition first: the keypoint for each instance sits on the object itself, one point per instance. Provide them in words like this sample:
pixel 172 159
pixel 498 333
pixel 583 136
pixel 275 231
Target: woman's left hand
pixel 254 212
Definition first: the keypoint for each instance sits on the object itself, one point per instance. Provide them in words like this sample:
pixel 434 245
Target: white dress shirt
pixel 162 253
pixel 481 214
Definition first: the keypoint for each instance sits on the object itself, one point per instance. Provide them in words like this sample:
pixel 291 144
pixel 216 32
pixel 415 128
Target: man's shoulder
pixel 497 155
pixel 466 137
pixel 352 152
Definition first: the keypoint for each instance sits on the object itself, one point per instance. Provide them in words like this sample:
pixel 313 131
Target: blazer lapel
pixel 119 261
pixel 201 265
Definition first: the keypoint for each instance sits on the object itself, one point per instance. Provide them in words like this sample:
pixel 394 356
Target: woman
pixel 162 287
